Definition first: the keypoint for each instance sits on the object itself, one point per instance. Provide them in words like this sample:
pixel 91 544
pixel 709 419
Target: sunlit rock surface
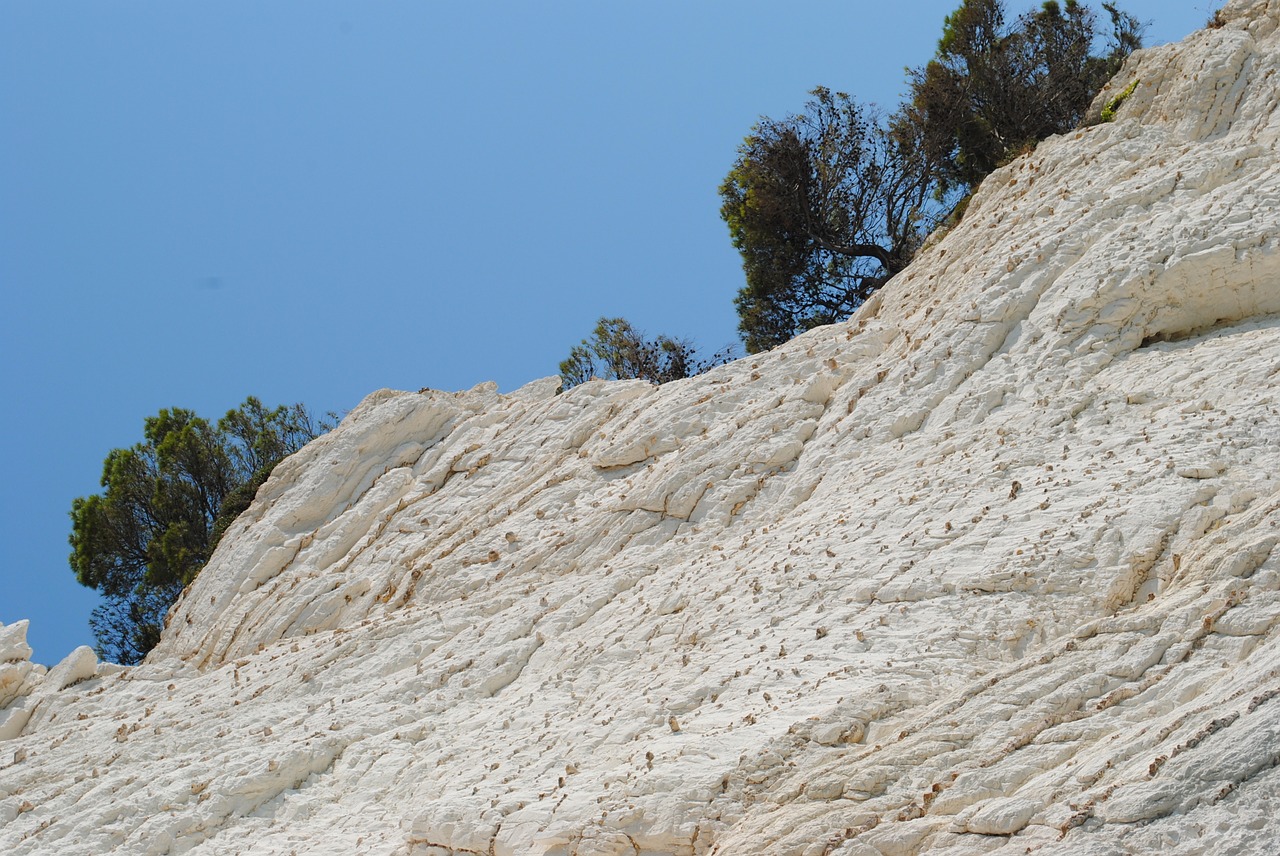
pixel 991 568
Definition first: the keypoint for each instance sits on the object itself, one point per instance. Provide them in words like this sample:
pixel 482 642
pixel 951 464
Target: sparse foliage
pixel 165 503
pixel 618 351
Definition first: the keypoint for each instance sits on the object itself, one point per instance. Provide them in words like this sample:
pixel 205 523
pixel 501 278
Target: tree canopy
pixel 616 350
pixel 824 206
pixel 827 205
pixel 997 87
pixel 166 502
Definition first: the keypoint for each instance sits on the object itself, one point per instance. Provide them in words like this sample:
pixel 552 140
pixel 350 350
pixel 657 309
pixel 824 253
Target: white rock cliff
pixel 991 568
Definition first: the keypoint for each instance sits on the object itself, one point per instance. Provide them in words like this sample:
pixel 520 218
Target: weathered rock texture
pixel 991 568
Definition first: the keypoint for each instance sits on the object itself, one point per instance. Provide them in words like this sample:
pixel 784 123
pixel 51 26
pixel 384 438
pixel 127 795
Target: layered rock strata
pixel 990 568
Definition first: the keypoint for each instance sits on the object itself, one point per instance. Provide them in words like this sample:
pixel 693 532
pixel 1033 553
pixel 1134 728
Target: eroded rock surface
pixel 991 568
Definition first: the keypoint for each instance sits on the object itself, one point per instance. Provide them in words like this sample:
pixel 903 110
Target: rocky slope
pixel 991 568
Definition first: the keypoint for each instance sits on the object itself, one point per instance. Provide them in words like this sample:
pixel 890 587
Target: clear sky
pixel 311 201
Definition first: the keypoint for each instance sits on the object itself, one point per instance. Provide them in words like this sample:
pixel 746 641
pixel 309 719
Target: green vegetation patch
pixel 1110 108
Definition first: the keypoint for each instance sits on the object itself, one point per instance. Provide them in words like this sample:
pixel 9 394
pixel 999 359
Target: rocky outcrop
pixel 990 568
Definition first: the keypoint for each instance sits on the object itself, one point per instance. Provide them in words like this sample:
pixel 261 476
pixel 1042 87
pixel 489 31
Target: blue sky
pixel 312 201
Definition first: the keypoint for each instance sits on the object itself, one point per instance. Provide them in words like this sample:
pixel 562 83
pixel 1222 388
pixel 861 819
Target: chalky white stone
pixel 990 568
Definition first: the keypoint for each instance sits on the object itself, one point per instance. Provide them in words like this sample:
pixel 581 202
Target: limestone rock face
pixel 990 568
